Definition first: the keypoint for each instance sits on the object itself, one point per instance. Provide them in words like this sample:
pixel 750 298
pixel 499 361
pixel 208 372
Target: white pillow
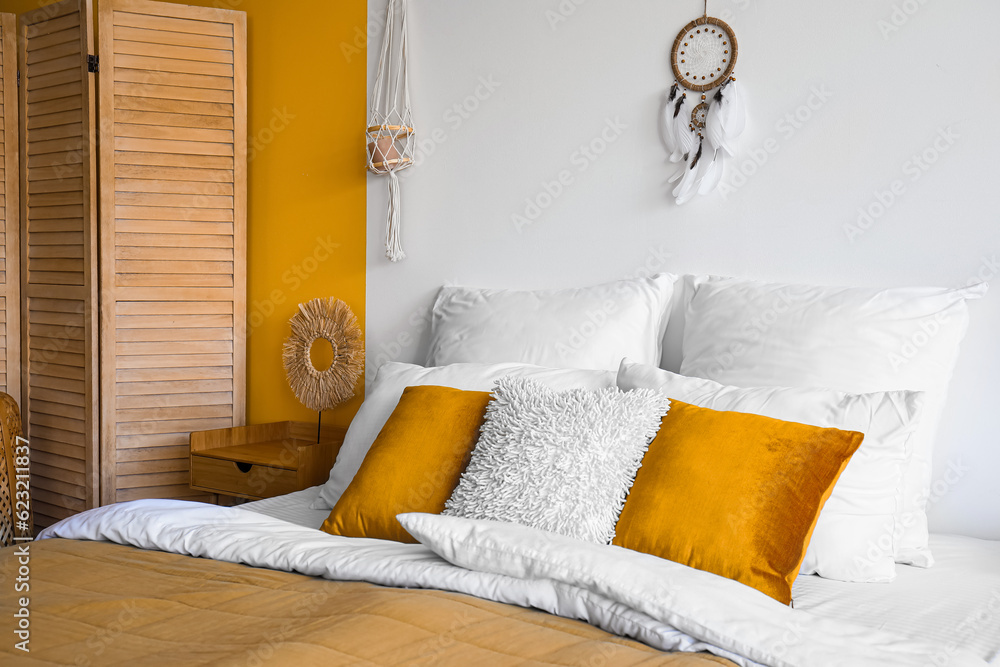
pixel 752 334
pixel 855 536
pixel 392 378
pixel 590 327
pixel 558 461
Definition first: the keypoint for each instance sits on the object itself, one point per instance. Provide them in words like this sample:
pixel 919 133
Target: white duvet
pixel 663 604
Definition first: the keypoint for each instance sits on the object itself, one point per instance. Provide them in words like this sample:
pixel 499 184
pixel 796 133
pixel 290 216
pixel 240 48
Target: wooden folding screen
pixel 59 258
pixel 133 327
pixel 173 240
pixel 10 306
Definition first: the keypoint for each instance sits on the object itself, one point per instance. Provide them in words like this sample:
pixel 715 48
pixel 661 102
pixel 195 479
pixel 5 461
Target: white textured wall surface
pixel 547 110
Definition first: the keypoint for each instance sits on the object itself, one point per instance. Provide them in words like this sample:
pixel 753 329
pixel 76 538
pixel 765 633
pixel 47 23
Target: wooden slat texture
pixel 59 257
pixel 10 214
pixel 173 238
pixel 170 357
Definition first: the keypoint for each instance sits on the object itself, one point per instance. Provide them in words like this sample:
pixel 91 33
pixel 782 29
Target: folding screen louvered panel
pixel 59 260
pixel 10 279
pixel 173 233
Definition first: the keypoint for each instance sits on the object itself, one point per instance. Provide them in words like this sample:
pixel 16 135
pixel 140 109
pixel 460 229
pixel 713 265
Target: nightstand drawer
pixel 242 479
pixel 263 460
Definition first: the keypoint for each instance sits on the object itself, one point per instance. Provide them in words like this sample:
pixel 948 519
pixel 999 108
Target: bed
pixel 397 560
pixel 96 602
pixel 957 602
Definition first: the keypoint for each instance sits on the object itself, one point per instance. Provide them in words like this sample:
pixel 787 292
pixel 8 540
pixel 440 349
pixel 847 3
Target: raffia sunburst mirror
pixel 333 321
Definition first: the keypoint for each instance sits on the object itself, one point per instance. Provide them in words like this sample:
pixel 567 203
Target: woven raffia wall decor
pixel 332 320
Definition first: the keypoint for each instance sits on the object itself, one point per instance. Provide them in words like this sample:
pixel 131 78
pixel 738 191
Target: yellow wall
pixel 307 89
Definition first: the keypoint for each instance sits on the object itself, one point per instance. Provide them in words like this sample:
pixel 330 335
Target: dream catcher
pixel 390 120
pixel 704 113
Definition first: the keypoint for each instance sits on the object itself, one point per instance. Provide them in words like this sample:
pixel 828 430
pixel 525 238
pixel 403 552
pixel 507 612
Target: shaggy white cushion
pixel 388 386
pixel 558 461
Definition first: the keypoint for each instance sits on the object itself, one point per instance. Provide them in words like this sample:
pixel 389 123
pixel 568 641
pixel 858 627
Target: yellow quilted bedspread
pixel 93 603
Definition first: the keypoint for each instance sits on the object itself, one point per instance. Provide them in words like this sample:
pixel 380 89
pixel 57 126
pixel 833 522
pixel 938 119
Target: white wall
pixel 891 85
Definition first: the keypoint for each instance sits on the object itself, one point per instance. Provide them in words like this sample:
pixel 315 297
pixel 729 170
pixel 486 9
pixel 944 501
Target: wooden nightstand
pixel 263 460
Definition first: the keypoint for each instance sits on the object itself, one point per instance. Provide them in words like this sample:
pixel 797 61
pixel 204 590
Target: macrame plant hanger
pixel 701 136
pixel 390 120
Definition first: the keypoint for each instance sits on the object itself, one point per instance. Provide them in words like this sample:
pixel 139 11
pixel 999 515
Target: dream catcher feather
pixel 703 115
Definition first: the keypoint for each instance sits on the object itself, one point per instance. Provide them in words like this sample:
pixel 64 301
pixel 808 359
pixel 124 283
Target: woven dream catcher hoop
pixel 390 121
pixel 704 113
pixel 330 320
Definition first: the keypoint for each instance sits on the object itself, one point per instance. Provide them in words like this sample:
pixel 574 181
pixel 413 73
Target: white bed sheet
pixel 293 508
pixel 956 603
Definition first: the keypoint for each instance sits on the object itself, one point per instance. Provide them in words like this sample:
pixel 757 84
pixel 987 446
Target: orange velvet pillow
pixel 413 465
pixel 734 494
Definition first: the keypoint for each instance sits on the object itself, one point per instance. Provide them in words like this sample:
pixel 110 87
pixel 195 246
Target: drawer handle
pixel 244 467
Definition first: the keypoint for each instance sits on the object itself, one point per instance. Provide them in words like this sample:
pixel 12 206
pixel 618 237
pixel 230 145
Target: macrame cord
pixel 390 121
